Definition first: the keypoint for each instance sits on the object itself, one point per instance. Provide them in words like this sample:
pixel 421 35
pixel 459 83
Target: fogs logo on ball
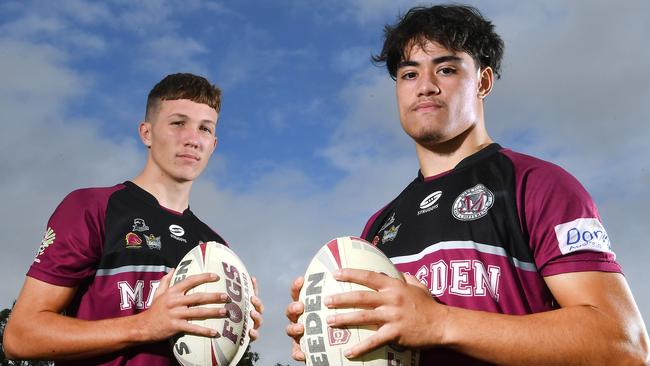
pixel 582 234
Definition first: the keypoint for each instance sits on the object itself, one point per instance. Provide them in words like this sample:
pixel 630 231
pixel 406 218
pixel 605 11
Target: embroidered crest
pixel 133 241
pixel 390 234
pixel 473 203
pixel 139 225
pixel 153 242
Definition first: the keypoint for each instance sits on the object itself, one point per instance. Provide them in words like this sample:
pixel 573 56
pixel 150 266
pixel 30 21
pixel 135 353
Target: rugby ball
pixel 323 345
pixel 230 344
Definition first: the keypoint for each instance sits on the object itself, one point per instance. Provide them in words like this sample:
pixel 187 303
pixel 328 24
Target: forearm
pixel 61 337
pixel 578 335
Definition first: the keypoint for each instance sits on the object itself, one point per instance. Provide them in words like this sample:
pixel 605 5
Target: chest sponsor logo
pixel 153 242
pixel 473 203
pixel 139 225
pixel 464 277
pixel 133 241
pixel 134 296
pixel 582 234
pixel 48 239
pixel 176 232
pixel 429 202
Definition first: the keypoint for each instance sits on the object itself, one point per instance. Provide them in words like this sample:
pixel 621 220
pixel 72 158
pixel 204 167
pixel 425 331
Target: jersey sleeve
pixel 73 240
pixel 565 229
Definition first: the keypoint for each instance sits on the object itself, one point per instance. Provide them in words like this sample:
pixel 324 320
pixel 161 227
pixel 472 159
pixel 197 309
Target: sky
pixel 309 138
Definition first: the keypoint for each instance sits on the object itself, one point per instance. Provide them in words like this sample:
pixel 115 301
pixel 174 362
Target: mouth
pixel 187 156
pixel 428 106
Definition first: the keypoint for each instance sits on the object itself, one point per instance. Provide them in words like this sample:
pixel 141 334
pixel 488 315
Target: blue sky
pixel 309 141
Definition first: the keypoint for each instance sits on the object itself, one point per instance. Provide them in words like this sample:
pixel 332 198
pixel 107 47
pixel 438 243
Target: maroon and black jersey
pixel 484 235
pixel 114 244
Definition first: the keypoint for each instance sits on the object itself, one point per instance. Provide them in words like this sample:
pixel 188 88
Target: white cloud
pixel 170 53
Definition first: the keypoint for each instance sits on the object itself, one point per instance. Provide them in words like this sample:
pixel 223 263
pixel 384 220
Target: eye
pixel 177 123
pixel 409 75
pixel 446 70
pixel 206 129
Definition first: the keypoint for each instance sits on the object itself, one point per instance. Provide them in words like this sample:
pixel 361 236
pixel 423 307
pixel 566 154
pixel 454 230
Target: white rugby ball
pixel 230 344
pixel 323 345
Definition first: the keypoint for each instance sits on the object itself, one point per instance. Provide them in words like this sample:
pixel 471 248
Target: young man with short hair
pixel 506 257
pixel 107 257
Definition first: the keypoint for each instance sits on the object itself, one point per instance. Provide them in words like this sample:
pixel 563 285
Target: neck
pixel 441 157
pixel 169 193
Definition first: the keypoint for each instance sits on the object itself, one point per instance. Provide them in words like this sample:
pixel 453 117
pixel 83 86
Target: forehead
pixel 188 108
pixel 426 49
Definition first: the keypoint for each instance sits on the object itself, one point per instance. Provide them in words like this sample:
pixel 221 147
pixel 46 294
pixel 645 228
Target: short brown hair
pixel 184 86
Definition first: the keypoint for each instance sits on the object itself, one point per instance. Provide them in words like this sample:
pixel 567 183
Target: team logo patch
pixel 473 203
pixel 429 202
pixel 388 222
pixel 153 242
pixel 133 241
pixel 582 234
pixel 390 234
pixel 375 240
pixel 48 239
pixel 139 225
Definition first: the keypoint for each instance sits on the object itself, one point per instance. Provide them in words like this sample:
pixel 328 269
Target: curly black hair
pixel 456 27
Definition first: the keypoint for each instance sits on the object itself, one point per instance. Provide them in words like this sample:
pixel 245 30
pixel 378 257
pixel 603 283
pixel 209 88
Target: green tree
pixel 249 358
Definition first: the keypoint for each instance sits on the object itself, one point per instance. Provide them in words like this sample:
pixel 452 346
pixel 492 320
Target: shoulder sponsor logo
pixel 176 230
pixel 473 203
pixel 133 241
pixel 48 239
pixel 582 234
pixel 429 202
pixel 139 225
pixel 153 242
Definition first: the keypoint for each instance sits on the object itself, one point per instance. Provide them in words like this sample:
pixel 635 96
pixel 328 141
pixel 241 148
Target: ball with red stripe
pixel 323 345
pixel 229 345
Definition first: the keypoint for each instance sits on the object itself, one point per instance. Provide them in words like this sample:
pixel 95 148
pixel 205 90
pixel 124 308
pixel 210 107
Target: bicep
pixel 606 292
pixel 39 296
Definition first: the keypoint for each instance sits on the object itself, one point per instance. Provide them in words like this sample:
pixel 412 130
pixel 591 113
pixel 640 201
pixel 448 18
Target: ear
pixel 144 130
pixel 485 82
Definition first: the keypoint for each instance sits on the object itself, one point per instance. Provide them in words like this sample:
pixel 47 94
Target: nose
pixel 428 85
pixel 191 138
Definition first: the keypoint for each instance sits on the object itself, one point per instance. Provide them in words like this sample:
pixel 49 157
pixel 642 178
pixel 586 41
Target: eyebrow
pixel 437 60
pixel 184 116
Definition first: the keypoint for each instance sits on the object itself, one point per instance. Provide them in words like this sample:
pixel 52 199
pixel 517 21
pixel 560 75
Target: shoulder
pixel 375 221
pixel 89 196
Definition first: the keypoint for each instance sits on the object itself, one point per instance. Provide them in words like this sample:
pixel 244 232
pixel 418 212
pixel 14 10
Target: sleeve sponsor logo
pixel 48 239
pixel 582 234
